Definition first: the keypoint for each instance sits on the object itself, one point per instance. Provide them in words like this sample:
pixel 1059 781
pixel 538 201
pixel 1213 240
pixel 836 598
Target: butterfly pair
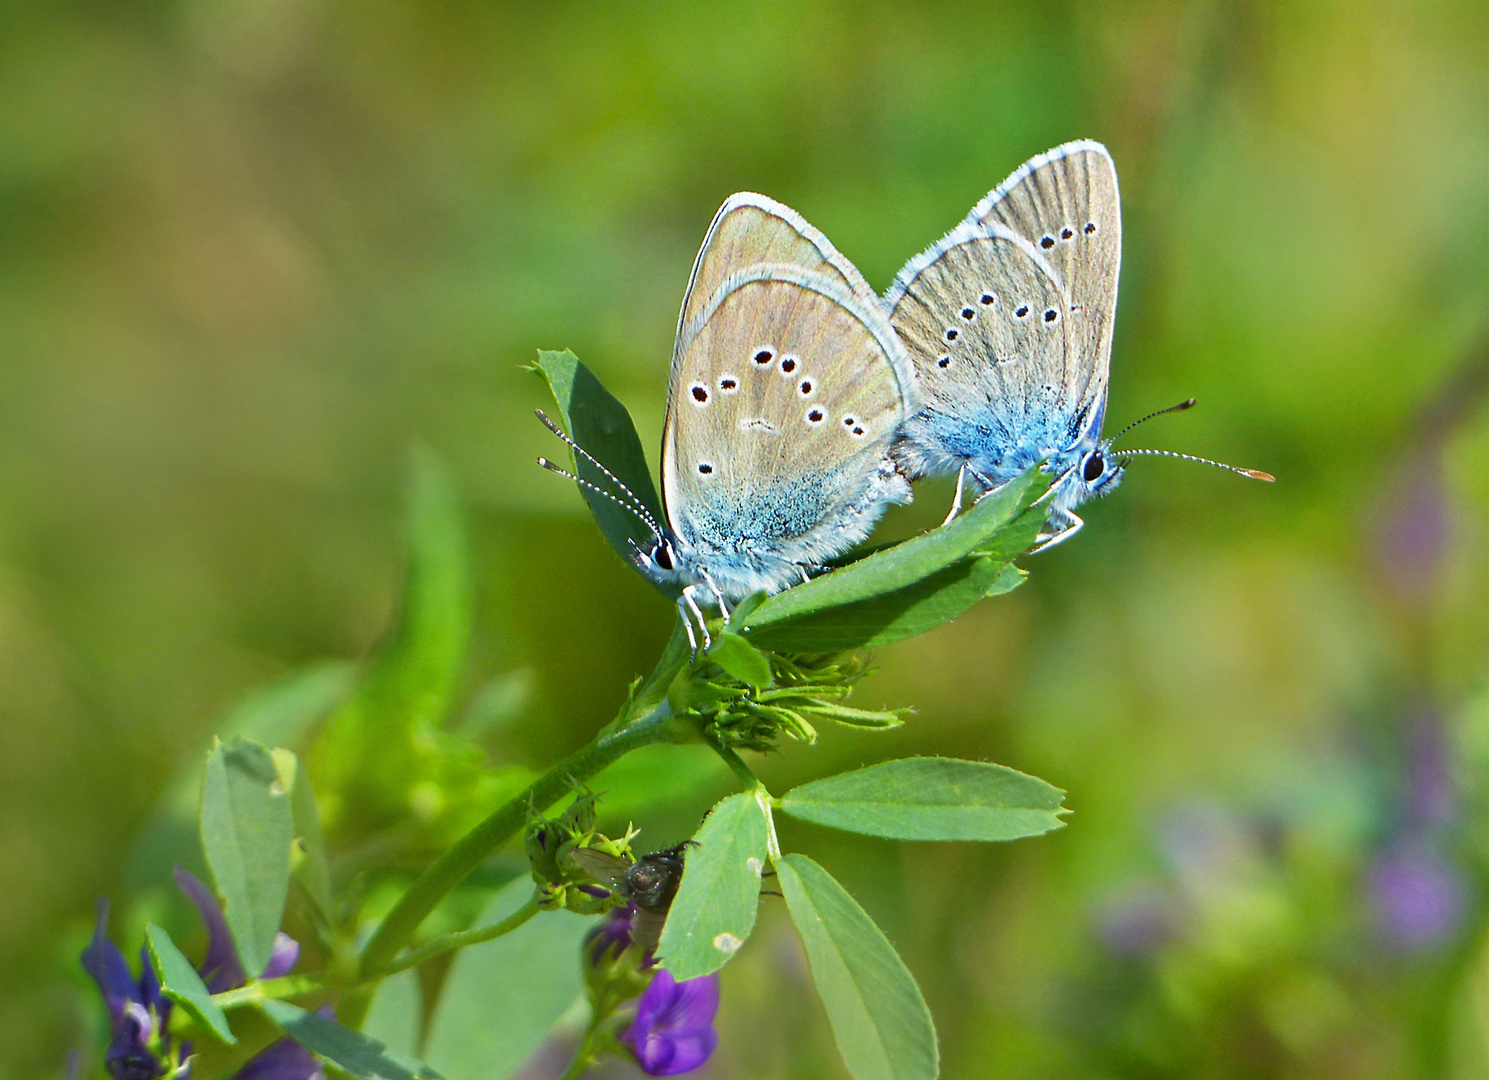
pixel 800 404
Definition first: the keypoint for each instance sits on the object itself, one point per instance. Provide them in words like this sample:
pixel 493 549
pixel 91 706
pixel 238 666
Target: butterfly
pixel 788 387
pixel 1008 321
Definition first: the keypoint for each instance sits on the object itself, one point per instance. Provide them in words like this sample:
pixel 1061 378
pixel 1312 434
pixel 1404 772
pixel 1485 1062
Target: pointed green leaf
pixel 180 982
pixel 715 907
pixel 278 714
pixel 247 828
pixel 904 565
pixel 601 425
pixel 1008 579
pixel 354 1053
pixel 930 798
pixel 502 997
pixel 888 617
pixel 879 1018
pixel 741 659
pixel 310 864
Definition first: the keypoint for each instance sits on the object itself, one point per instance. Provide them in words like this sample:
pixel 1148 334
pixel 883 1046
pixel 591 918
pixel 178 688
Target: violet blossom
pixel 673 1031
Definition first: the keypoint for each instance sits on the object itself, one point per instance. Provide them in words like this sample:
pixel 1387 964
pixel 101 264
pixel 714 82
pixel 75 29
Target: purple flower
pixel 610 938
pixel 138 1012
pixel 221 970
pixel 673 1030
pixel 284 1060
pixel 1418 897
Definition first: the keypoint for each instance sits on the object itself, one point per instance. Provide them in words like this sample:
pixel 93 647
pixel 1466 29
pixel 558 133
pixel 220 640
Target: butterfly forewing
pixel 983 323
pixel 1066 204
pixel 752 229
pixel 783 401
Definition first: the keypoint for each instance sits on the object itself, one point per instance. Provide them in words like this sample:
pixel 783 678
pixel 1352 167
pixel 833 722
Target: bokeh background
pixel 253 251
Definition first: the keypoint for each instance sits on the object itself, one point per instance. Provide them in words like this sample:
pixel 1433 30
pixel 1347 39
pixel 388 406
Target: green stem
pixel 476 846
pixel 736 763
pixel 461 938
pixel 270 990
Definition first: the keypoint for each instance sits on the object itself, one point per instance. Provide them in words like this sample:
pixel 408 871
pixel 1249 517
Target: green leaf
pixel 180 982
pixel 887 618
pixel 311 865
pixel 351 1051
pixel 900 569
pixel 502 997
pixel 247 829
pixel 741 659
pixel 1008 579
pixel 396 1015
pixel 601 425
pixel 275 715
pixel 715 907
pixel 930 798
pixel 878 1016
pixel 381 744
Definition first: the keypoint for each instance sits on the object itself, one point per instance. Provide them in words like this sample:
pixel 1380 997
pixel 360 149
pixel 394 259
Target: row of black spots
pixel 855 426
pixel 1022 311
pixel 1067 233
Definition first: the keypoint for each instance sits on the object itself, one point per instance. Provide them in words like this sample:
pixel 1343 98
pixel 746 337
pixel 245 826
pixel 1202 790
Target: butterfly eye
pixel 1093 469
pixel 663 556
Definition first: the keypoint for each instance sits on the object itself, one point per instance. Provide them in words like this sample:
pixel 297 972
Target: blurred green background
pixel 251 252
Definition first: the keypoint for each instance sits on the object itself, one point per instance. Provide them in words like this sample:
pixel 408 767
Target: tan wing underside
pixel 1071 193
pixel 765 453
pixel 751 229
pixel 991 356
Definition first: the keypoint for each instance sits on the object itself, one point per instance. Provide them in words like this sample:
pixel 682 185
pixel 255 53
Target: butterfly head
pixel 1099 471
pixel 659 558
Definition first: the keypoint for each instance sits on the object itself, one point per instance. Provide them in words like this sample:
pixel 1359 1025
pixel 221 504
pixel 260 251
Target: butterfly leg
pixel 692 605
pixel 687 625
pixel 956 502
pixel 1065 525
pixel 717 595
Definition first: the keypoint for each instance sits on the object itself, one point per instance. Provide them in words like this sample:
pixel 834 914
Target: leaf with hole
pixel 247 828
pixel 715 907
